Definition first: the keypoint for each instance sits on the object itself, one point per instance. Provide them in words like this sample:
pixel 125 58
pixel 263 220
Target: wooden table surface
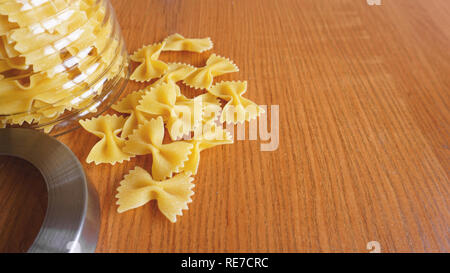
pixel 363 95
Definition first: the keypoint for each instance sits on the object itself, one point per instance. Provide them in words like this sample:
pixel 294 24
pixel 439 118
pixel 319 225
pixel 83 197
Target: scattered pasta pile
pixel 193 125
pixel 53 55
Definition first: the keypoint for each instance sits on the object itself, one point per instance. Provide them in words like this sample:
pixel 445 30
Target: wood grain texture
pixel 363 93
pixel 23 199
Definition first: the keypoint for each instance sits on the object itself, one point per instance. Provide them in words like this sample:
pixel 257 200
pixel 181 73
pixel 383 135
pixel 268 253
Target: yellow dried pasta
pixel 44 123
pixel 28 12
pixel 51 111
pixel 177 42
pixel 238 108
pixel 212 136
pixel 49 49
pixel 8 48
pixel 128 106
pixel 16 97
pixel 162 104
pixel 215 66
pixel 28 39
pixel 176 72
pixel 167 158
pixel 180 114
pixel 211 108
pixel 150 66
pixel 110 147
pixel 172 195
pixel 19 119
pixel 6 25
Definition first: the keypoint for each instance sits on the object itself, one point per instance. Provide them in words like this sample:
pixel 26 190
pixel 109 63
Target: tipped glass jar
pixel 60 61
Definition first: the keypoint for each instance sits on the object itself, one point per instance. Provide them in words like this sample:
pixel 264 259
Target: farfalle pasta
pixel 58 55
pixel 238 108
pixel 16 97
pixel 177 42
pixel 150 66
pixel 172 195
pixel 180 113
pixel 167 158
pixel 203 77
pixel 209 134
pixel 110 147
pixel 211 108
pixel 128 105
pixel 212 135
pixel 26 12
pixel 176 72
pixel 194 124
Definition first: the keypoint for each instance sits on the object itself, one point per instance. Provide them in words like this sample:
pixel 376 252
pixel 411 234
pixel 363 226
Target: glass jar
pixel 60 61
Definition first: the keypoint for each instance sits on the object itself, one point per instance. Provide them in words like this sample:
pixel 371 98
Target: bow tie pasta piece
pixel 211 108
pixel 43 123
pixel 209 134
pixel 159 100
pixel 176 42
pixel 65 21
pixel 51 111
pixel 28 12
pixel 88 38
pixel 12 100
pixel 29 39
pixel 167 158
pixel 109 148
pixel 212 136
pixel 92 6
pixel 186 118
pixel 8 48
pixel 44 62
pixel 79 97
pixel 106 47
pixel 11 57
pixel 128 106
pixel 180 114
pixel 176 72
pixel 238 108
pixel 48 128
pixel 16 97
pixel 76 33
pixel 19 119
pixel 96 30
pixel 172 195
pixel 6 25
pixel 150 66
pixel 43 50
pixel 203 77
pixel 102 32
pixel 4 66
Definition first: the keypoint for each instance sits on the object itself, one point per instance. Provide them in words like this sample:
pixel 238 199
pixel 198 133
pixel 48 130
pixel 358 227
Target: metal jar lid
pixel 72 218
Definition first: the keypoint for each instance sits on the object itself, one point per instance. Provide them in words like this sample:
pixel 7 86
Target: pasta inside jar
pixel 60 60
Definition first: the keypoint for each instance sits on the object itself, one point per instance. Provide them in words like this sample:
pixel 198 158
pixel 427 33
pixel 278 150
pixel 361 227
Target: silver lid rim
pixel 72 219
